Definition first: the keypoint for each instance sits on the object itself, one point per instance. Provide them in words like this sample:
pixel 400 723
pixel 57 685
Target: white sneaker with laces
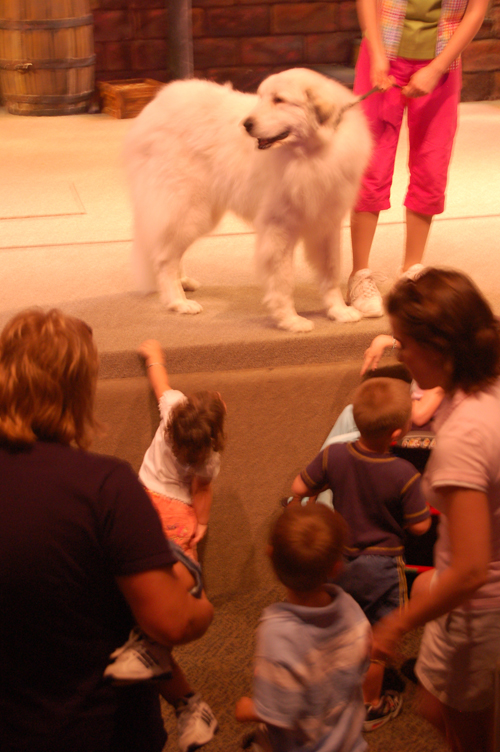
pixel 363 294
pixel 413 272
pixel 140 659
pixel 196 724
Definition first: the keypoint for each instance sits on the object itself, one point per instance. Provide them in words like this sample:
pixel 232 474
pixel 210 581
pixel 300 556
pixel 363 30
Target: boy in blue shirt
pixel 378 495
pixel 313 648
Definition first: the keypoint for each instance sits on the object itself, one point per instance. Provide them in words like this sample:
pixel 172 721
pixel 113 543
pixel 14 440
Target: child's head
pixel 381 406
pixel 196 428
pixel 306 542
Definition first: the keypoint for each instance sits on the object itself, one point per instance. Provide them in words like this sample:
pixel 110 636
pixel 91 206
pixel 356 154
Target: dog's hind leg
pixel 323 253
pixel 274 257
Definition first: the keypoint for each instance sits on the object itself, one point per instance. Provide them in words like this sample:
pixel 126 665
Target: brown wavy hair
pixel 307 541
pixel 48 378
pixel 195 428
pixel 444 311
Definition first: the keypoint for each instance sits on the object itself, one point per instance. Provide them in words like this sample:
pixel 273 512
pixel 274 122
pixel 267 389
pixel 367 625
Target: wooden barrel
pixel 47 56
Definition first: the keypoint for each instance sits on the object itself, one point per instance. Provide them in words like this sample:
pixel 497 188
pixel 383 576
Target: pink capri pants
pixel 432 123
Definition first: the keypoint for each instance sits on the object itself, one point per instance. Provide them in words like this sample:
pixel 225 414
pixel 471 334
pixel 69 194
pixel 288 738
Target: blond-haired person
pixel 82 554
pixel 379 496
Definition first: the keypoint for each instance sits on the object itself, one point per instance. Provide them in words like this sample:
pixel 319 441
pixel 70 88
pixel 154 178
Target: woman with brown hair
pixel 82 556
pixel 449 337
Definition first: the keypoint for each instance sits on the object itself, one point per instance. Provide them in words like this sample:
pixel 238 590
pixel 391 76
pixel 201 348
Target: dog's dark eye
pixel 278 100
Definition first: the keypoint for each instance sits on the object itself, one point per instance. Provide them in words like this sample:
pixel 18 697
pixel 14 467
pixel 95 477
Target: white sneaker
pixel 196 724
pixel 363 294
pixel 140 659
pixel 413 272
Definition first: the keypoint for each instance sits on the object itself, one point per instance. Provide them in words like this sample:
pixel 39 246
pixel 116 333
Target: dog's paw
pixel 185 306
pixel 189 284
pixel 296 324
pixel 344 314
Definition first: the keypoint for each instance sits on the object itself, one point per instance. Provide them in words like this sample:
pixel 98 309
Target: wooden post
pixel 180 38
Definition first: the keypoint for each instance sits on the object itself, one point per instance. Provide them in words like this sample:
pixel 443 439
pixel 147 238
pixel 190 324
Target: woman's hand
pixel 379 71
pixel 373 354
pixel 423 81
pixel 387 634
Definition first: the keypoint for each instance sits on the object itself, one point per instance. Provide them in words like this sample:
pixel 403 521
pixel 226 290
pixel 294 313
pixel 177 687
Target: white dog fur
pixel 278 159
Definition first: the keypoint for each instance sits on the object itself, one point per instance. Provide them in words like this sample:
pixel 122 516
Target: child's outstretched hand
pixel 151 350
pixel 373 354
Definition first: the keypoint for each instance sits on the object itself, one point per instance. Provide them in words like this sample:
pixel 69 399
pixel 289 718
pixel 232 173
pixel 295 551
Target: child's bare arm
pixel 155 366
pixel 419 528
pixel 245 711
pixel 299 489
pixel 423 409
pixel 201 496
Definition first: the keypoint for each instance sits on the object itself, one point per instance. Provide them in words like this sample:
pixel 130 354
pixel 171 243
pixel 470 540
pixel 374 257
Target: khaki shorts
pixel 457 658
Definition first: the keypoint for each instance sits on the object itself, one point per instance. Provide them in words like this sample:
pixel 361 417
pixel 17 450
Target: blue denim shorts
pixel 377 583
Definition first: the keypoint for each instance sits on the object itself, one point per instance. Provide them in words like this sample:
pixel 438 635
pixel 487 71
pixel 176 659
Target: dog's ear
pixel 323 106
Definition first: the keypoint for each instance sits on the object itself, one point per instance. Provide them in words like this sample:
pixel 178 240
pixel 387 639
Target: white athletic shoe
pixel 140 659
pixel 196 724
pixel 363 294
pixel 413 272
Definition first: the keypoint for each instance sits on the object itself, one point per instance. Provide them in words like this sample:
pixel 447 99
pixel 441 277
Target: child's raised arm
pixel 156 369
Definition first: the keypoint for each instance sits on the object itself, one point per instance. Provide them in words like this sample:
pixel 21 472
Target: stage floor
pixel 66 235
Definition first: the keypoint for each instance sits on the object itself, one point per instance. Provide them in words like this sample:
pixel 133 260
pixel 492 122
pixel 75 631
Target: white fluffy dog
pixel 200 149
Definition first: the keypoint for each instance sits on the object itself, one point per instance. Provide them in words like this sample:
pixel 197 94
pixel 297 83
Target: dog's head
pixel 293 106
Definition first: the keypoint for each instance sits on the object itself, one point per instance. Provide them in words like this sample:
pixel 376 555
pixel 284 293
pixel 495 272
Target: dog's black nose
pixel 248 125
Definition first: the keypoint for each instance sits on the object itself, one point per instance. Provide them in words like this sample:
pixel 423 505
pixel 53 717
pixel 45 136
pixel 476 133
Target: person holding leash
pixel 411 51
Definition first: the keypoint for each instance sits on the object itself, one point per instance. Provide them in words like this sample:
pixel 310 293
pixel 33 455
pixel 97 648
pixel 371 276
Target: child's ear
pixel 396 434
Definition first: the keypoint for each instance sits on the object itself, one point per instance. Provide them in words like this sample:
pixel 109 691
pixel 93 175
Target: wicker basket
pixel 125 99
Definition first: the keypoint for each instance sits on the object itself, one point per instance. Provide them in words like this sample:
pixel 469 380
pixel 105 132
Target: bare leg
pixel 417 232
pixel 465 731
pixel 372 685
pixel 363 226
pixel 176 687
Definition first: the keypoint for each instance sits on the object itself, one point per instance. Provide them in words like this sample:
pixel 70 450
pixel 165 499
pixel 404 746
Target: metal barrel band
pixel 47 24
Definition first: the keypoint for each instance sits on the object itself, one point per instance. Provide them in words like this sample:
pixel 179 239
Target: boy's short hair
pixel 381 405
pixel 307 541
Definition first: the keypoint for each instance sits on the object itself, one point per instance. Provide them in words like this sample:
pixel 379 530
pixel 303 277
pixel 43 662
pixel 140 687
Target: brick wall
pixel 243 41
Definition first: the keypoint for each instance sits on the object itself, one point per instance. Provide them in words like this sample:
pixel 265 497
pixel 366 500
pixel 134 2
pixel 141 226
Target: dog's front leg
pixel 168 273
pixel 323 253
pixel 274 256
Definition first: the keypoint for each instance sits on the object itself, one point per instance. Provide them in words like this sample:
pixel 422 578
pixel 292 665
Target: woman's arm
pixel 370 25
pixel 163 608
pixel 469 531
pixel 155 366
pixel 426 79
pixel 423 409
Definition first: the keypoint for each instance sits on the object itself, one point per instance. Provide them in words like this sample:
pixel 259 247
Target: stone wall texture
pixel 242 41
